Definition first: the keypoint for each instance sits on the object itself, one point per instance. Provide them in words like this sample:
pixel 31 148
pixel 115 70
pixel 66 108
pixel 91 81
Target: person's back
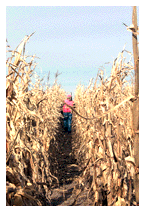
pixel 66 109
pixel 67 112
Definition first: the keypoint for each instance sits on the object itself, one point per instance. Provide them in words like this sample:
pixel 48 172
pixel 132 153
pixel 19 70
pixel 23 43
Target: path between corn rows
pixel 64 166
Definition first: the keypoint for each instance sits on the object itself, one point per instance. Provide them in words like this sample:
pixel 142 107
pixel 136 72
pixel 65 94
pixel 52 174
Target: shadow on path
pixel 63 165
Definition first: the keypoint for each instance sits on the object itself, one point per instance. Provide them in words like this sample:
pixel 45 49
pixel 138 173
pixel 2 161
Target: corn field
pixel 95 165
pixel 104 142
pixel 32 119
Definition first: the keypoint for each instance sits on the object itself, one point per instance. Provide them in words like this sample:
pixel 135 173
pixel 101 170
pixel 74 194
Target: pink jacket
pixel 66 109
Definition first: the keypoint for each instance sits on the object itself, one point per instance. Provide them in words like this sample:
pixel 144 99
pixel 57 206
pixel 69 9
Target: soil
pixel 64 166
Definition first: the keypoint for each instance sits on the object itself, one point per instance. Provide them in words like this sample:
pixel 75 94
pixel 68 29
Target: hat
pixel 68 96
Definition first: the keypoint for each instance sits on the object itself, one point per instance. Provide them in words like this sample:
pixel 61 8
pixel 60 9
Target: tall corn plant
pixel 32 119
pixel 104 141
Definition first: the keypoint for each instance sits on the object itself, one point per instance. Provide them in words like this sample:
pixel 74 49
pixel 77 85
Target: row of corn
pixel 32 119
pixel 104 142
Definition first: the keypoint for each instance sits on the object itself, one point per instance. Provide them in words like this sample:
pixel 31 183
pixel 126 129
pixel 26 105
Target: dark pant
pixel 67 121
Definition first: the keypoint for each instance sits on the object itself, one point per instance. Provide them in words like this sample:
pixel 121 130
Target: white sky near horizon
pixel 75 40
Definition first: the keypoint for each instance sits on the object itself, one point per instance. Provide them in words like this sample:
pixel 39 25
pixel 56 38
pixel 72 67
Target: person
pixel 67 113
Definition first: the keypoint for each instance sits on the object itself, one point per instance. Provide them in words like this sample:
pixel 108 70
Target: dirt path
pixel 64 166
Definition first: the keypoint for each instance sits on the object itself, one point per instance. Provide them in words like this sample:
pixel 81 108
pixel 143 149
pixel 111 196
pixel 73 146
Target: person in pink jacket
pixel 67 113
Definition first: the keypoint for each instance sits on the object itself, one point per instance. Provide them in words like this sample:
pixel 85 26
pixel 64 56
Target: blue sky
pixel 75 40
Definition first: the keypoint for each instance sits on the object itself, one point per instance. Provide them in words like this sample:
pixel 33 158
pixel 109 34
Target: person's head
pixel 69 97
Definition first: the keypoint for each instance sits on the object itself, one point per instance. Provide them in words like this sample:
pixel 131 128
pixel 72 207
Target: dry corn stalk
pixel 104 136
pixel 32 120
